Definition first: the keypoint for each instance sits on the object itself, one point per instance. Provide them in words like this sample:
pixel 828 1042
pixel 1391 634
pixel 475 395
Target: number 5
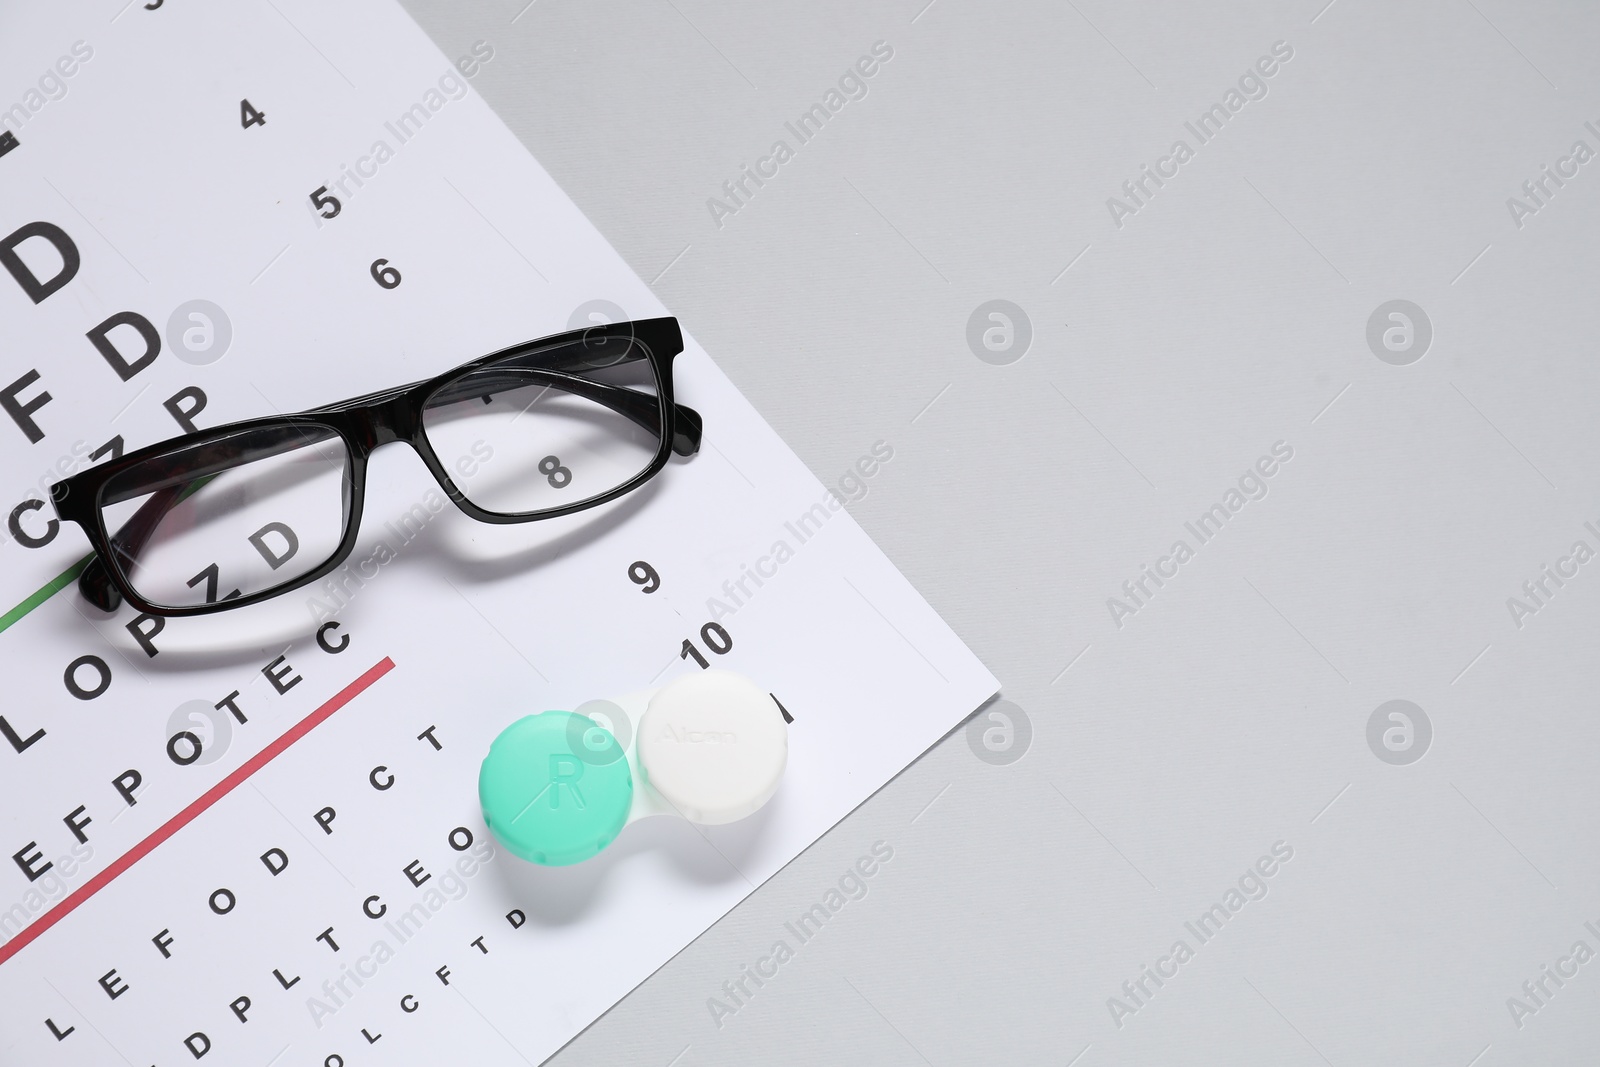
pixel 322 201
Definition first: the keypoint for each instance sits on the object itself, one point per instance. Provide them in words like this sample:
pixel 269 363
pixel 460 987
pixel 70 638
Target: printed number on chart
pixel 715 638
pixel 558 476
pixel 385 275
pixel 644 576
pixel 327 206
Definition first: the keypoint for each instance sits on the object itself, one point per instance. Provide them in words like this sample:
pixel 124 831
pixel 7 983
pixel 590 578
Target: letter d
pixel 36 289
pixel 291 544
pixel 101 338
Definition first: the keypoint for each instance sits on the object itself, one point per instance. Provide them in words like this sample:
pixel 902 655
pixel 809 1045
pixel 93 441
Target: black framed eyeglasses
pixel 235 515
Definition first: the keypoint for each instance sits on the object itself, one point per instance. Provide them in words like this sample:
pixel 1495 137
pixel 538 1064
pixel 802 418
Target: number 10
pixel 716 639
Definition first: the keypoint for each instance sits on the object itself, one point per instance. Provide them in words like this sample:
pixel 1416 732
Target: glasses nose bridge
pixel 389 418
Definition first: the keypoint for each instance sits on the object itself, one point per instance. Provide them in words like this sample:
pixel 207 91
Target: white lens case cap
pixel 714 746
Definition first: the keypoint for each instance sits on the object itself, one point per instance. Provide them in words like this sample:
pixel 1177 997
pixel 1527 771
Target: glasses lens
pixel 222 519
pixel 550 428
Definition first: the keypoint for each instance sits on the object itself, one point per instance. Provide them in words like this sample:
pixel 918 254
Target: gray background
pixel 1229 313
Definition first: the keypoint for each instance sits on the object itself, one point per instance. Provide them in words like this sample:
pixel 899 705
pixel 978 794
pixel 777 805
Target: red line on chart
pixel 189 814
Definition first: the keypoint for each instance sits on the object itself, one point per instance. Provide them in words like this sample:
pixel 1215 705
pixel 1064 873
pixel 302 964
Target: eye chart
pixel 253 837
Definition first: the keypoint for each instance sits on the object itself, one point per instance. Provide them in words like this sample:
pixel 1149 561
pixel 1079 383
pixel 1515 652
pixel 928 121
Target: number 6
pixel 384 274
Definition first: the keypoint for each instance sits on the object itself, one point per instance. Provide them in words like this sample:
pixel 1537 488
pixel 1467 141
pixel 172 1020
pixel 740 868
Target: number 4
pixel 249 116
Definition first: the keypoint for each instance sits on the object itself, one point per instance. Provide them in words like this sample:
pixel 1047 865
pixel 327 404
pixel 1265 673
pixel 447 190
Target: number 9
pixel 644 576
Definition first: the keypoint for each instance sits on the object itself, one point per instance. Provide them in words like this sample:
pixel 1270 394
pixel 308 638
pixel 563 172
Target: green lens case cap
pixel 555 788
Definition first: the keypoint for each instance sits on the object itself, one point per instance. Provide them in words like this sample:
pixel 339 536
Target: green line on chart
pixel 48 590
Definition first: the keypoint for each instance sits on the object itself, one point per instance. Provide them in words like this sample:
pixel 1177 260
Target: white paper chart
pixel 216 211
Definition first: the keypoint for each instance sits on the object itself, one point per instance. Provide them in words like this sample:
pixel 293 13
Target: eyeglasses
pixel 244 512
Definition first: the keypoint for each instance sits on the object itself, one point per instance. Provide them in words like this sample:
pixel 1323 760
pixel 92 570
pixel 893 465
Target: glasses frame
pixel 364 424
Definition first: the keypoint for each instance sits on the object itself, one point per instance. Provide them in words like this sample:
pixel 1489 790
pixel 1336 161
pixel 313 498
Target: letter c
pixel 763 171
pixel 1166 573
pixel 366 907
pixel 763 571
pixel 1166 173
pixel 408 1004
pixel 1563 171
pixel 365 173
pixel 373 778
pixel 23 537
pixel 1163 972
pixel 326 644
pixel 1562 971
pixel 762 971
pixel 1563 571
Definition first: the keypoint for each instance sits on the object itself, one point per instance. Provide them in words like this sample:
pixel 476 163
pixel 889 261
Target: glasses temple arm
pixel 95 582
pixel 639 408
pixel 167 492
